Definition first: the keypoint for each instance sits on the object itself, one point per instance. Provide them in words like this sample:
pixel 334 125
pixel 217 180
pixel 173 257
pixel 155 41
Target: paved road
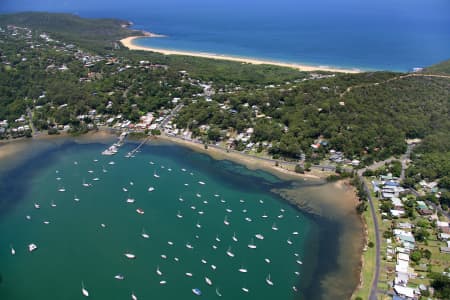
pixel 373 288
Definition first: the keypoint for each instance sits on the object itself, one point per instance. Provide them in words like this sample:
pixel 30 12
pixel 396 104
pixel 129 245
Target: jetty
pixel 132 152
pixel 114 148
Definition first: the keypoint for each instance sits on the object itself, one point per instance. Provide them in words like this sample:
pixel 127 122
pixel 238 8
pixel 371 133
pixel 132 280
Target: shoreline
pixel 128 42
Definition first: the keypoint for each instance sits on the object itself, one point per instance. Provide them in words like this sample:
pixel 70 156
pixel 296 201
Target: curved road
pixel 374 286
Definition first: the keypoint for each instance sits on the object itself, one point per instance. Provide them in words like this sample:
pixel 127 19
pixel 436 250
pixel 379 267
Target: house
pixel 404 291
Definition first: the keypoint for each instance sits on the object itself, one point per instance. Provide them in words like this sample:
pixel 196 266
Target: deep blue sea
pixel 381 35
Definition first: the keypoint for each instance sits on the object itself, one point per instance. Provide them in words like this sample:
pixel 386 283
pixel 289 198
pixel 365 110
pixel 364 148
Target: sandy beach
pixel 129 43
pixel 283 171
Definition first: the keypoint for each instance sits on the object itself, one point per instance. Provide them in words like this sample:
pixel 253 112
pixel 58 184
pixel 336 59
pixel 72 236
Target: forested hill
pixel 94 33
pixel 440 68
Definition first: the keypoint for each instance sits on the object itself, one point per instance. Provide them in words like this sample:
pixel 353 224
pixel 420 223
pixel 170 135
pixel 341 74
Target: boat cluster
pixel 199 203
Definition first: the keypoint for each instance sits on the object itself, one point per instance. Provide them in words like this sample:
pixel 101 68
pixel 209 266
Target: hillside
pixel 94 33
pixel 440 68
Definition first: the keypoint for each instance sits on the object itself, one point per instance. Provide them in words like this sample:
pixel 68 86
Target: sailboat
pixel 133 296
pixel 245 290
pixel 158 271
pixel 259 236
pixel 229 253
pixel 274 227
pixel 225 221
pixel 75 198
pixel 252 244
pixel 52 204
pixel 217 238
pixel 119 277
pixel 218 293
pixel 13 251
pixel 242 270
pixel 234 237
pixel 208 281
pixel 155 175
pixel 86 184
pixel 84 291
pixel 198 225
pixel 269 282
pixel 144 234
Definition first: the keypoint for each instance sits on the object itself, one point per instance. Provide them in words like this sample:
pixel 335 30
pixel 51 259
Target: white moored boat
pixel 84 291
pixel 130 255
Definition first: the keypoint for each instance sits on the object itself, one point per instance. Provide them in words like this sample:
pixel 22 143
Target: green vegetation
pixel 440 68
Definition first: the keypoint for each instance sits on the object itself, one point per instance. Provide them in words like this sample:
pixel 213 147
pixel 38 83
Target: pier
pixel 132 152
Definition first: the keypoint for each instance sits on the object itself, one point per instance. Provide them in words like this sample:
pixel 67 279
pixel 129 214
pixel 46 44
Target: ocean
pixel 200 216
pixel 370 35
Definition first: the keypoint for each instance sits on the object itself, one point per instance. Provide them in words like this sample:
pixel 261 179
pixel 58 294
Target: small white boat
pixel 150 162
pixel 176 259
pixel 299 262
pixel 188 274
pixel 179 215
pixel 234 237
pixel 248 219
pixel 295 233
pixel 297 273
pixel 37 206
pixel 268 280
pixel 32 247
pixel 274 227
pixel 241 201
pixel 214 247
pixel 111 163
pixel 217 238
pixel 280 216
pixel 155 175
pixel 228 210
pixel 225 221
pixel 13 251
pixel 267 260
pixel 151 189
pixel 183 169
pixel 96 179
pixel 245 290
pixel 130 200
pixel 162 282
pixel 264 216
pixel 252 245
pixel 86 184
pixel 170 243
pixel 61 189
pixel 216 195
pixel 208 281
pixel 124 189
pixel 130 255
pixel 133 296
pixel 198 195
pixel 294 288
pixel 84 291
pixel 198 225
pixel 28 217
pixel 193 207
pixel 197 291
pixel 243 270
pixel 189 246
pixel 119 277
pixel 140 211
pixel 203 261
pixel 229 253
pixel 214 267
pixel 46 222
pixel 158 271
pixel 201 212
pixel 289 241
pixel 163 256
pixel 90 171
pixel 218 293
pixel 259 236
pixel 144 234
pixel 260 201
pixel 201 182
pixel 52 204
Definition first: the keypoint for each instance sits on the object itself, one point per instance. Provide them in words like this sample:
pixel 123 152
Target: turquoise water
pixel 74 247
pixel 382 35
